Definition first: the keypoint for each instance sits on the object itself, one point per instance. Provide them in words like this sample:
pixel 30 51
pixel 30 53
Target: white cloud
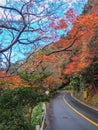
pixel 2 2
pixel 40 8
pixel 70 2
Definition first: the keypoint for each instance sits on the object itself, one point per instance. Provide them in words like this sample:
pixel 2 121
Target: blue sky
pixel 57 9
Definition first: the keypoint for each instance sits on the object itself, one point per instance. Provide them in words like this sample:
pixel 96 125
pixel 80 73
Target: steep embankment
pixel 92 8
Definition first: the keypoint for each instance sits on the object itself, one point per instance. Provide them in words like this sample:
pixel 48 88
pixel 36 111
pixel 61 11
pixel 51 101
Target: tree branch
pixel 14 9
pixel 14 41
pixel 66 48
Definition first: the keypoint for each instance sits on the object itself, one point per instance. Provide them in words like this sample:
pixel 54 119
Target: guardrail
pixel 43 119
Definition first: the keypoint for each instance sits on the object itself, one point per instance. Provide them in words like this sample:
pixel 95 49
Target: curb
pixel 94 108
pixel 43 117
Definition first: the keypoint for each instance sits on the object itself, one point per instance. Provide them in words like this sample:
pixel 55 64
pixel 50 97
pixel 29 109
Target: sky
pixel 52 6
pixel 69 1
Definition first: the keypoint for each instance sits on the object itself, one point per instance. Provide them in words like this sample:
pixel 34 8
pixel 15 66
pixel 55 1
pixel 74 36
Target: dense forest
pixel 73 56
pixel 71 62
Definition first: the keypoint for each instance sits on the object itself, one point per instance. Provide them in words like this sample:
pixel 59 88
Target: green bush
pixel 36 120
pixel 15 105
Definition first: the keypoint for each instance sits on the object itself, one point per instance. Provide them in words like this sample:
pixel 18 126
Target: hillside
pixel 59 58
pixel 71 61
pixel 60 48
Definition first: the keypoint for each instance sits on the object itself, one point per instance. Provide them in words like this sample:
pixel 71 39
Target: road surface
pixel 65 113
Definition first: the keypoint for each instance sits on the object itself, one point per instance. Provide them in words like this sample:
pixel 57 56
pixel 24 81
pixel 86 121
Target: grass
pixel 37 113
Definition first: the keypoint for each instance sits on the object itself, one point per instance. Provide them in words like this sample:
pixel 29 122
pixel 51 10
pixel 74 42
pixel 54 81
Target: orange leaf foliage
pixel 9 81
pixel 87 22
pixel 58 24
pixel 80 61
pixel 71 15
pixel 62 43
pixel 51 58
pixel 48 79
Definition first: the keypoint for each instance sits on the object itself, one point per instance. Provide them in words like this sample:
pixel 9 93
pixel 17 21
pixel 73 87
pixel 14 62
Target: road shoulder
pixel 92 107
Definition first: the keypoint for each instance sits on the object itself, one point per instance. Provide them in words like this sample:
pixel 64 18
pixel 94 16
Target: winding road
pixel 65 113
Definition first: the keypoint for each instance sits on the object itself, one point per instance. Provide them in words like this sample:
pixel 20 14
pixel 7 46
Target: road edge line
pixel 82 115
pixel 83 103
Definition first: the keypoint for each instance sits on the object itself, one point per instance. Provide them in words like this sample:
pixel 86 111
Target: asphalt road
pixel 65 113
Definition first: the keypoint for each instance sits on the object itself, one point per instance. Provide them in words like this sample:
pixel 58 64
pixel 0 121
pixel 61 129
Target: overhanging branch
pixel 67 48
pixel 14 41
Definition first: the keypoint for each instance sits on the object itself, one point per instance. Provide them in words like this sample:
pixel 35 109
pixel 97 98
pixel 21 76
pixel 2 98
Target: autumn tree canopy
pixel 28 25
pixel 67 53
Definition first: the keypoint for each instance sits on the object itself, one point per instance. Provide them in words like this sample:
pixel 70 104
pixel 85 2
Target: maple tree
pixel 71 60
pixel 24 26
pixel 75 51
pixel 82 41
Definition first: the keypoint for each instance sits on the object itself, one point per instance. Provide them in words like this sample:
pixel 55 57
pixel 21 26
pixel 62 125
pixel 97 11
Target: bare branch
pixel 75 38
pixel 10 8
pixel 8 27
pixel 14 9
pixel 14 41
